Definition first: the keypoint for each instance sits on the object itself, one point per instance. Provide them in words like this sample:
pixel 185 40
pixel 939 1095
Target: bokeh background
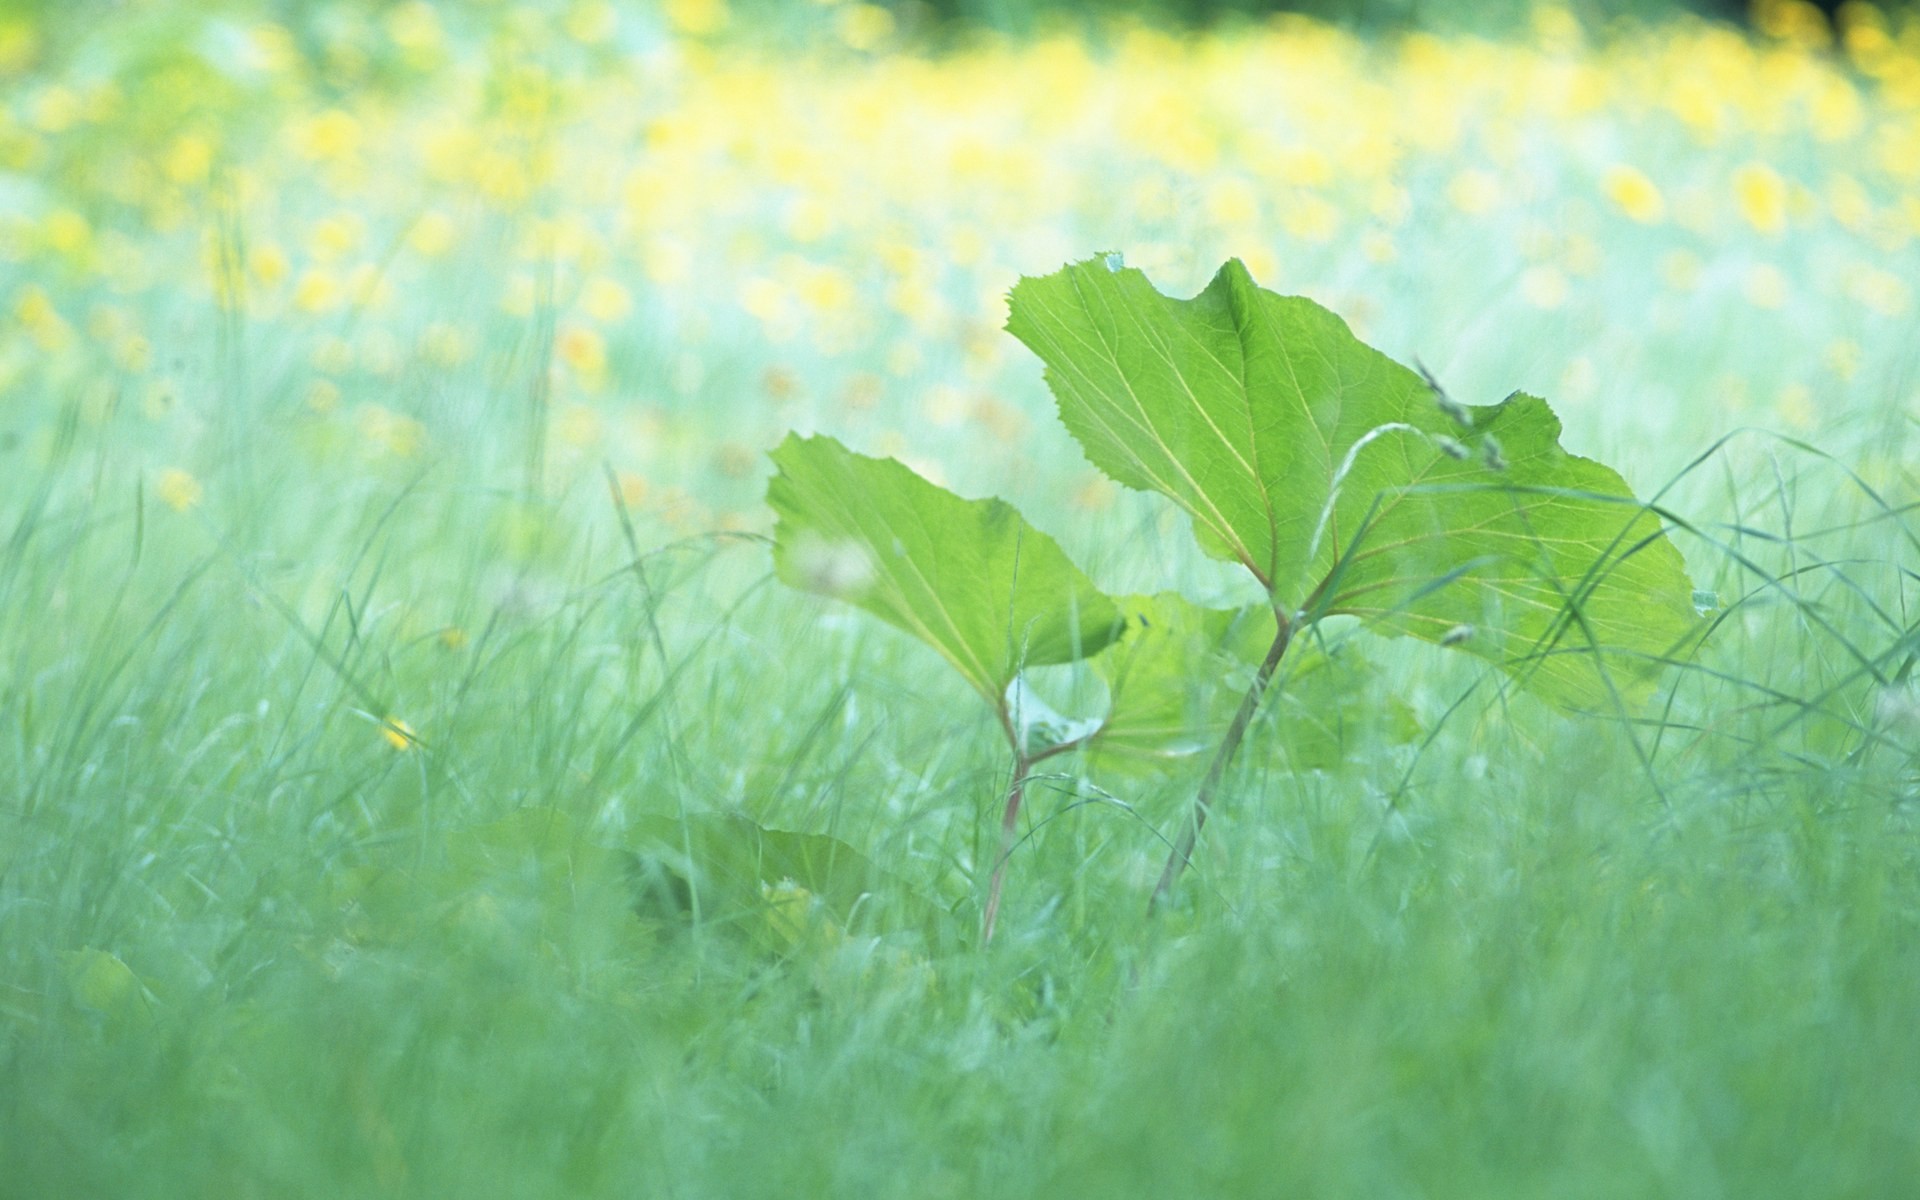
pixel 384 397
pixel 541 239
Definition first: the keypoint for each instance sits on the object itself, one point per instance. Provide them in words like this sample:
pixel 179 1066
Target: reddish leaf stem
pixel 1008 822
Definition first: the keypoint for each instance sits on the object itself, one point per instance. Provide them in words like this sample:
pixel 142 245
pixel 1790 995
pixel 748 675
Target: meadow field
pixel 415 781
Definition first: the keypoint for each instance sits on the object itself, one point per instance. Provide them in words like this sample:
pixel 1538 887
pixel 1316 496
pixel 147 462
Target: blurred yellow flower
pixel 825 290
pixel 605 301
pixel 133 354
pixel 591 22
pixel 1882 291
pixel 1543 287
pixel 35 311
pixel 316 292
pixel 443 345
pixel 329 136
pixel 864 26
pixel 1766 287
pixel 1847 200
pixel 1795 406
pixel 19 45
pixel 432 235
pixel 518 297
pixel 398 734
pixel 1843 358
pixel 633 489
pixel 267 263
pixel 389 432
pixel 67 233
pixel 577 426
pixel 1635 195
pixel 582 349
pixel 323 396
pixel 1232 202
pixel 188 159
pixel 1680 270
pixel 415 27
pixel 333 238
pixel 1762 197
pixel 57 109
pixel 177 489
pixel 1474 191
pixel 697 17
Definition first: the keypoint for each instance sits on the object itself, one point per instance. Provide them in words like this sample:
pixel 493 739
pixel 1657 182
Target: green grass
pixel 1537 968
pixel 253 942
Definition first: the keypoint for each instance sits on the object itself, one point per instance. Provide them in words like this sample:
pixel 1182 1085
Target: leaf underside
pixel 1332 474
pixel 969 577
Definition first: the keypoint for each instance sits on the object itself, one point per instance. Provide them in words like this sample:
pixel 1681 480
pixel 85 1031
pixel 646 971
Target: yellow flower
pixel 444 345
pixel 1681 270
pixel 188 159
pixel 177 489
pixel 864 26
pixel 389 431
pixel 333 238
pixel 330 136
pixel 268 263
pixel 1474 191
pixel 316 292
pixel 1882 291
pixel 582 349
pixel 37 315
pixel 1762 196
pixel 1231 201
pixel 415 27
pixel 398 734
pixel 1843 358
pixel 1635 195
pixel 1795 406
pixel 591 23
pixel 432 235
pixel 605 300
pixel 825 289
pixel 697 18
pixel 19 46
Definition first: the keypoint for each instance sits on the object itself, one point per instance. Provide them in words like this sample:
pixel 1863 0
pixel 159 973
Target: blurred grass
pixel 340 710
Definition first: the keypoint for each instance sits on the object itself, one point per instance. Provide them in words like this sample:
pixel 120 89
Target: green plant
pixel 1343 482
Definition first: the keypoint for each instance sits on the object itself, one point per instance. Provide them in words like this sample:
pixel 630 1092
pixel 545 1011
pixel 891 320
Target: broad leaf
pixel 735 864
pixel 1346 485
pixel 969 577
pixel 1176 680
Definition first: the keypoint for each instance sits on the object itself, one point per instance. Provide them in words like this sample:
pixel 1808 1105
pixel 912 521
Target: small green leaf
pixel 969 577
pixel 1175 680
pixel 1183 668
pixel 734 863
pixel 1338 478
pixel 1329 707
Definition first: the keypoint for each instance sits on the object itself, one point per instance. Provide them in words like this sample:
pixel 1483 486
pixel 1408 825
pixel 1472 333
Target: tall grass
pixel 351 743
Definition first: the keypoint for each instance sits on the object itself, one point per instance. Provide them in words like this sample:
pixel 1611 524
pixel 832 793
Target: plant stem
pixel 1222 758
pixel 1022 764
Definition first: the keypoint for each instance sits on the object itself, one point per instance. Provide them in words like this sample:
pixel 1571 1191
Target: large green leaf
pixel 1335 476
pixel 969 577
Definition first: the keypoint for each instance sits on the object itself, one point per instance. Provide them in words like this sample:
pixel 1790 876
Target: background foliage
pixel 414 781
